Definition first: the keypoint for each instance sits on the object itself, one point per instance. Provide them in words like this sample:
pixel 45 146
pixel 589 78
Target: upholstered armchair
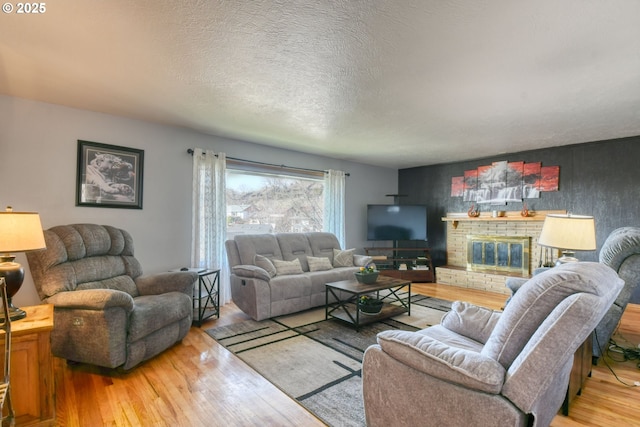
pixel 621 251
pixel 486 368
pixel 106 312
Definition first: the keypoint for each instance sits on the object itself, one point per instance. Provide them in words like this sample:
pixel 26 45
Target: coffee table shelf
pixel 345 294
pixel 388 310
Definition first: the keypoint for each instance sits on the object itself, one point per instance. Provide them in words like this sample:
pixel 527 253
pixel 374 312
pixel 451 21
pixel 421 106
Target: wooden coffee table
pixel 347 292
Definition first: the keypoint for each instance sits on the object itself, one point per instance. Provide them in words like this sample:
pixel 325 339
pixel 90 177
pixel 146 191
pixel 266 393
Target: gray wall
pixel 597 178
pixel 38 149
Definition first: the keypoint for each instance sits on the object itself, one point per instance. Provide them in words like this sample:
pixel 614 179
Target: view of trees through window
pixel 270 203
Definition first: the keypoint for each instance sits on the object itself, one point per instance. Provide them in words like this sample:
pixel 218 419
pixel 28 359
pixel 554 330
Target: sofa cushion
pixel 343 258
pixel 295 246
pixel 319 263
pixel 323 244
pixel 266 264
pixel 284 268
pixel 470 320
pixel 263 244
pixel 290 287
pixel 459 366
pixel 154 312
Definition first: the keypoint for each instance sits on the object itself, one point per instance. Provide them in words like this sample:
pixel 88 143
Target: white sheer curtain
pixel 334 204
pixel 209 217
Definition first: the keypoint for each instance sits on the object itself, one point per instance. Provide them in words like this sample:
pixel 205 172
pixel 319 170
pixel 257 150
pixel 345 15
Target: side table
pixel 32 380
pixel 206 296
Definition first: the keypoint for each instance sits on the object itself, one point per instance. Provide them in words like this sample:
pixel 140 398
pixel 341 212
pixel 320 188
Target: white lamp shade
pixel 20 232
pixel 571 232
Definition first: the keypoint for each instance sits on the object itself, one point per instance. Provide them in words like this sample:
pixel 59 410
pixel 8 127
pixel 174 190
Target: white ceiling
pixel 397 83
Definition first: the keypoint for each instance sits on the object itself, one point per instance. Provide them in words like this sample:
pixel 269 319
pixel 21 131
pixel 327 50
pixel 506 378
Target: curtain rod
pixel 190 151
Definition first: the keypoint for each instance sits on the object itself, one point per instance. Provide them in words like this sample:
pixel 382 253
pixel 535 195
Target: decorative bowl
pixel 367 278
pixel 372 306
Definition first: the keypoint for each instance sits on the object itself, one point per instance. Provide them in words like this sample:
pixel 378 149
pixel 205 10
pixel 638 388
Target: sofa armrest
pixel 251 271
pixel 470 321
pixel 161 283
pixel 361 260
pixel 92 299
pixel 437 359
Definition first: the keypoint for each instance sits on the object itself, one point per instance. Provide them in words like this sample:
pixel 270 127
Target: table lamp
pixel 19 232
pixel 568 233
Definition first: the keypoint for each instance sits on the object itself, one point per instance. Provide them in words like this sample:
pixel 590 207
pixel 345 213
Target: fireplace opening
pixel 507 254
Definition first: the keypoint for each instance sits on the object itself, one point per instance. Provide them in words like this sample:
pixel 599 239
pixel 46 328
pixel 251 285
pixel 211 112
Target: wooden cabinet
pixel 413 264
pixel 32 380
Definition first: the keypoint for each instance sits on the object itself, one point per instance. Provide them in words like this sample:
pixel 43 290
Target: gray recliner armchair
pixel 486 368
pixel 106 312
pixel 621 252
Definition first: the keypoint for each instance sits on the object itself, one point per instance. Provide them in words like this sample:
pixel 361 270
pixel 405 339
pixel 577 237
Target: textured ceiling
pixel 394 83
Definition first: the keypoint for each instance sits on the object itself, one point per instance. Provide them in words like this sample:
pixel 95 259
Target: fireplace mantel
pixel 460 225
pixel 456 217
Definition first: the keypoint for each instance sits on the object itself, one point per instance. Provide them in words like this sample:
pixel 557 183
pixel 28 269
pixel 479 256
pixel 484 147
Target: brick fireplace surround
pixel 459 225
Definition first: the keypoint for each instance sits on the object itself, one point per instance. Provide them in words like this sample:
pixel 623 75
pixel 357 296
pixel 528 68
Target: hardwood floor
pixel 199 383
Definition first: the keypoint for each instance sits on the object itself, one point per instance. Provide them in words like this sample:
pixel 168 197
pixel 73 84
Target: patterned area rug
pixel 316 361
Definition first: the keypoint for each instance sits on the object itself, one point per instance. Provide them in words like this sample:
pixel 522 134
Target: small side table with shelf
pixel 206 295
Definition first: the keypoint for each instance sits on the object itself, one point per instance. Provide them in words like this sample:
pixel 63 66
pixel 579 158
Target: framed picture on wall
pixel 109 176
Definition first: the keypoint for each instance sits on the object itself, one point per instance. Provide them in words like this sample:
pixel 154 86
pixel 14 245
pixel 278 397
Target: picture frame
pixel 109 176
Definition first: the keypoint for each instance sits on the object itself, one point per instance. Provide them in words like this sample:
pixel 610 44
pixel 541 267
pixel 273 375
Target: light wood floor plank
pixel 199 383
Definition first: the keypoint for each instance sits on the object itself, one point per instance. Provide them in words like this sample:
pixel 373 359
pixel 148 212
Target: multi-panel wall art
pixel 504 181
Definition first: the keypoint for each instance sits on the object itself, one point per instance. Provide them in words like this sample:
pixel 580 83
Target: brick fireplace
pixel 511 231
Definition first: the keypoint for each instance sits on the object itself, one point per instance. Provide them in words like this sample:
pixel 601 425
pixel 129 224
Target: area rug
pixel 316 361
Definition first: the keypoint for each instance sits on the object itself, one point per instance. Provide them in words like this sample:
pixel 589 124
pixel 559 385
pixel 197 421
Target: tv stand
pixel 389 261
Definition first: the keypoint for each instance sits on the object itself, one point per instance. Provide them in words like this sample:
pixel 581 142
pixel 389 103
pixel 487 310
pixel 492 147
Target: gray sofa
pixel 621 251
pixel 485 368
pixel 277 274
pixel 106 312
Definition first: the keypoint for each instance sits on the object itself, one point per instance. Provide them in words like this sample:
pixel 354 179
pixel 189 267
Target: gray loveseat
pixel 106 312
pixel 277 274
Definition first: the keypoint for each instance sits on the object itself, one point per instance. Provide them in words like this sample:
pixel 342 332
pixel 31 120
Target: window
pixel 264 202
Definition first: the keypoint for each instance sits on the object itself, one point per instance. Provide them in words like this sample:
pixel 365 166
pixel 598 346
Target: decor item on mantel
pixel 473 212
pixel 19 232
pixel 367 275
pixel 568 233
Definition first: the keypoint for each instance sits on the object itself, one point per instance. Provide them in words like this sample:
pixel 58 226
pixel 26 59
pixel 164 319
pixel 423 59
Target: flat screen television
pixel 396 222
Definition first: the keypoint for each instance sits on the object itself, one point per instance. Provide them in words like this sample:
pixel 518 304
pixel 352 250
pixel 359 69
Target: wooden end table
pixel 347 292
pixel 32 380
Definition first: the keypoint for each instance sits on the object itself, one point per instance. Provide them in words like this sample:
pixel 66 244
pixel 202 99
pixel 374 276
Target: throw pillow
pixel 287 267
pixel 265 263
pixel 343 258
pixel 319 263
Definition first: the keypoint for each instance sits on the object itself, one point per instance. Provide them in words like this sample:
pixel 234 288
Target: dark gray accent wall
pixel 596 178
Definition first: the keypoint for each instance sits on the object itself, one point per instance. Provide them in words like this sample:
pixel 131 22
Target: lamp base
pixel 13 275
pixel 566 257
pixel 15 313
